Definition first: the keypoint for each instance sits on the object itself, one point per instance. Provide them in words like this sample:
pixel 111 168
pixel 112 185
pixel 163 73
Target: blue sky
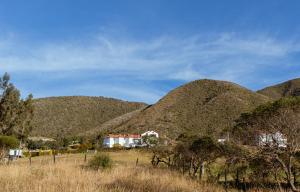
pixel 138 50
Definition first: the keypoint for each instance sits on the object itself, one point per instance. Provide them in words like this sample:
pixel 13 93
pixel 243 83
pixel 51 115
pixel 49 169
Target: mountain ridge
pixel 201 107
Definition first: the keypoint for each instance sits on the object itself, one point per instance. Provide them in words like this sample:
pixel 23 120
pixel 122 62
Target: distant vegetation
pixel 109 126
pixel 288 88
pixel 281 116
pixel 203 107
pixel 70 116
pixel 240 160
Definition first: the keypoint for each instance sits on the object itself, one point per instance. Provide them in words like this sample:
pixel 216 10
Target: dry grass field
pixel 69 174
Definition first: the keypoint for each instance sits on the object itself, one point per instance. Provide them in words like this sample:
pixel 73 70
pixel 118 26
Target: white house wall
pixel 121 141
pixel 125 142
pixel 128 142
pixel 108 142
pixel 15 152
pixel 272 139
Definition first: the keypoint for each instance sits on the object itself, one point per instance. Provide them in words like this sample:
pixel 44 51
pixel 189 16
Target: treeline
pixel 64 143
pixel 263 150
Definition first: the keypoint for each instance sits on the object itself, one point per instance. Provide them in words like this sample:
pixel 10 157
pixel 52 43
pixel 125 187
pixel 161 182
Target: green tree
pixel 150 140
pixel 4 81
pixel 16 114
pixel 7 142
pixel 204 150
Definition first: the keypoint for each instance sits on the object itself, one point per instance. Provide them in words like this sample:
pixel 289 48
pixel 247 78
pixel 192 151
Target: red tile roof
pixel 135 136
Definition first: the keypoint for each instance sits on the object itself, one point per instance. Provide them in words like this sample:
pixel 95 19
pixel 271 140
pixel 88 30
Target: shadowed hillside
pixel 199 107
pixel 288 88
pixel 113 123
pixel 74 115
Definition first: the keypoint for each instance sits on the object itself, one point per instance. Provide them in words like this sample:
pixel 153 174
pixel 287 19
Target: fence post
pixel 137 161
pixel 54 157
pixel 244 185
pixel 201 171
pixel 225 179
pixel 30 158
pixel 85 157
pixel 237 179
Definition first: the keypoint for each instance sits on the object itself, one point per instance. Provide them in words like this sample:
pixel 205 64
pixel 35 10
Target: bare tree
pixel 275 129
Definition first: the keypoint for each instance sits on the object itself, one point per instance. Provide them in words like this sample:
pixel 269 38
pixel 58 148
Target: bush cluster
pixel 100 161
pixel 8 141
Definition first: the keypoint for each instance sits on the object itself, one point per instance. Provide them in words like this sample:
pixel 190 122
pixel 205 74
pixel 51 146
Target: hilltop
pixel 288 88
pixel 200 107
pixel 70 116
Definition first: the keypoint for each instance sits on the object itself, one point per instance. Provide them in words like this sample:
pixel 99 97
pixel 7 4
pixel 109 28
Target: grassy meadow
pixel 69 174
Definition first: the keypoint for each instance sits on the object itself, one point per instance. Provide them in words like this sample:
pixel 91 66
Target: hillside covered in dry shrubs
pixel 69 116
pixel 288 88
pixel 203 107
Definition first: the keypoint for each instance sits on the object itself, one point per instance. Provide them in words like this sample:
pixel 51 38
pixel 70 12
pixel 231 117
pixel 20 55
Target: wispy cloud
pixel 165 53
pixel 224 56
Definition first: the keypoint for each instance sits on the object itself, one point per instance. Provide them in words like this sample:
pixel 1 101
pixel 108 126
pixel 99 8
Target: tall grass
pixel 69 175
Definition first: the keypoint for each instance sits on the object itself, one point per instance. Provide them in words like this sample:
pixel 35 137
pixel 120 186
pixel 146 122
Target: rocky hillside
pixel 71 116
pixel 200 107
pixel 288 88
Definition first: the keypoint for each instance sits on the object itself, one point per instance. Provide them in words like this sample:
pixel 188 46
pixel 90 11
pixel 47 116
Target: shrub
pixel 150 140
pixel 100 161
pixel 34 144
pixel 117 146
pixel 8 142
pixel 45 145
pixel 85 146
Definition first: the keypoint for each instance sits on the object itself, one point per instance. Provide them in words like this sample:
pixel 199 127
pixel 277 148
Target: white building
pixel 127 140
pixel 15 153
pixel 222 141
pixel 150 133
pixel 123 140
pixel 272 139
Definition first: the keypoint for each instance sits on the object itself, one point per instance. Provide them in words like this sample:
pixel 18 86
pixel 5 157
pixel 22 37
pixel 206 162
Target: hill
pixel 288 88
pixel 70 116
pixel 200 107
pixel 113 123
